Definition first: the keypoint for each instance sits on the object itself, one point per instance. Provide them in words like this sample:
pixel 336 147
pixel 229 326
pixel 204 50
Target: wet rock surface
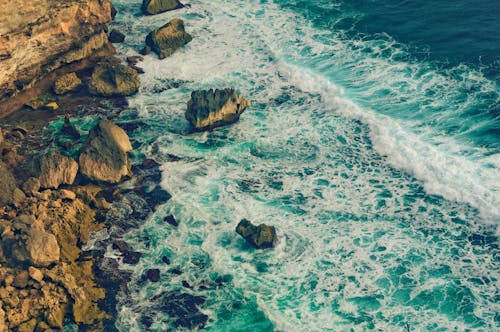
pixel 260 237
pixel 151 7
pixel 114 79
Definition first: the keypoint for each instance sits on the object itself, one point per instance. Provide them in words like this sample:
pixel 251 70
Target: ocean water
pixel 372 145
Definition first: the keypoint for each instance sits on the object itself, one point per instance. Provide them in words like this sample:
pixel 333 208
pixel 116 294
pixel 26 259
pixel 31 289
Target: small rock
pixel 69 129
pixel 134 59
pixel 35 274
pixel 42 248
pixel 131 257
pixel 31 186
pixel 68 195
pixel 176 272
pixel 67 83
pixel 167 39
pixel 165 260
pixel 116 36
pixel 261 237
pixel 171 220
pixel 21 280
pixel 18 196
pixel 52 106
pixel 7 183
pixel 151 7
pixel 186 284
pixel 210 109
pixel 153 275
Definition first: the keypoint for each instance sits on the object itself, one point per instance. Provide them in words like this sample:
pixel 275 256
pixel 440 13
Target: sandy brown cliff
pixel 38 37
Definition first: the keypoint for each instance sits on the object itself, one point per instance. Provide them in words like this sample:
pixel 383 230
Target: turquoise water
pixel 377 163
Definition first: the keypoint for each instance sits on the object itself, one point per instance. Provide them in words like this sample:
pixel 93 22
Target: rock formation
pixel 152 7
pixel 167 39
pixel 38 37
pixel 260 237
pixel 69 129
pixel 103 157
pixel 211 109
pixel 55 169
pixel 116 36
pixel 114 79
pixel 67 83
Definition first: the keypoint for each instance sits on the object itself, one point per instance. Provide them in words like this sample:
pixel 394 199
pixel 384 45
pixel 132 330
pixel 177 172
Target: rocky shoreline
pixel 65 204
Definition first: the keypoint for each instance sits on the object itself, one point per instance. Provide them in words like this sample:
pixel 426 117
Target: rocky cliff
pixel 38 37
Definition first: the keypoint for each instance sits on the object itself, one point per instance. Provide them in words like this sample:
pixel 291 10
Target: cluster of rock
pixel 52 33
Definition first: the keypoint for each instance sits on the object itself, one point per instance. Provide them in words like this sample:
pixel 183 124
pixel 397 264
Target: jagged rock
pixel 40 249
pixel 261 237
pixel 21 279
pixel 103 157
pixel 116 36
pixel 52 34
pixel 152 7
pixel 7 183
pixel 211 109
pixel 114 79
pixel 3 325
pixel 56 169
pixel 167 39
pixel 31 186
pixel 35 273
pixel 67 83
pixel 113 12
pixel 18 196
pixel 134 59
pixel 153 275
pixel 183 308
pixel 69 129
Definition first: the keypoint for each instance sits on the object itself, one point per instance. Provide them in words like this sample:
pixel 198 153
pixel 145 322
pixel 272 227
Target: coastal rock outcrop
pixel 167 39
pixel 103 157
pixel 152 7
pixel 210 109
pixel 260 237
pixel 67 83
pixel 8 184
pixel 116 36
pixel 52 34
pixel 56 169
pixel 114 79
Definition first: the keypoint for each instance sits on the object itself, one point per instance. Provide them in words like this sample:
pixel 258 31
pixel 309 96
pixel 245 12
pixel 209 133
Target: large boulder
pixel 42 247
pixel 260 237
pixel 211 109
pixel 8 184
pixel 152 7
pixel 103 158
pixel 167 39
pixel 67 83
pixel 56 169
pixel 114 79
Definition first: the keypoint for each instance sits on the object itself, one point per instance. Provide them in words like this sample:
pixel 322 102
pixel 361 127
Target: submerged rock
pixel 114 79
pixel 182 308
pixel 152 7
pixel 103 157
pixel 167 39
pixel 116 36
pixel 211 109
pixel 261 237
pixel 67 83
pixel 56 169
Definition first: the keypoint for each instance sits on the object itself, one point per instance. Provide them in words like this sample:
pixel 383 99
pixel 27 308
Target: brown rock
pixel 21 279
pixel 35 273
pixel 3 324
pixel 211 109
pixel 167 39
pixel 42 247
pixel 7 183
pixel 152 7
pixel 31 186
pixel 28 326
pixel 114 79
pixel 67 83
pixel 56 169
pixel 261 237
pixel 103 157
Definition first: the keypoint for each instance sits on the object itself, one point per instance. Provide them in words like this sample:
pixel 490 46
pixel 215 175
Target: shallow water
pixel 378 167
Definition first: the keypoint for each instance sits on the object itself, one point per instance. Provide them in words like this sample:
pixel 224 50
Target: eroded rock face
pixel 114 79
pixel 167 39
pixel 210 109
pixel 261 237
pixel 52 34
pixel 152 7
pixel 67 83
pixel 7 183
pixel 103 157
pixel 56 169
